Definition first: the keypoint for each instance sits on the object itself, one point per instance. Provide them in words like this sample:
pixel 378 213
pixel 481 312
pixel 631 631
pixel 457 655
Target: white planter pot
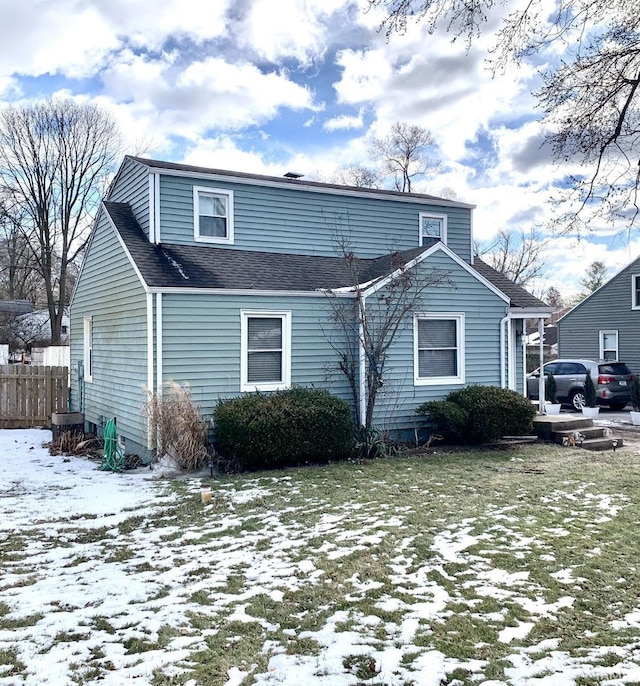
pixel 635 418
pixel 552 409
pixel 590 412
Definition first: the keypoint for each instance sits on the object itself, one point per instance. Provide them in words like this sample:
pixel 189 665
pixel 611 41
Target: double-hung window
pixel 265 363
pixel 609 345
pixel 88 349
pixel 438 341
pixel 213 215
pixel 635 291
pixel 433 226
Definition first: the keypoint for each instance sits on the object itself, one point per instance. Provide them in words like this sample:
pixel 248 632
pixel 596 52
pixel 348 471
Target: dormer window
pixel 213 215
pixel 635 291
pixel 433 226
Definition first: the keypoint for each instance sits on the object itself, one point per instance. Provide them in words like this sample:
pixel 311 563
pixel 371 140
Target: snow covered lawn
pixel 504 568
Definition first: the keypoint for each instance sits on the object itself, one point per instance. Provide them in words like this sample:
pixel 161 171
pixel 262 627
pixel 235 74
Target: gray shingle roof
pixel 517 295
pixel 205 266
pixel 208 266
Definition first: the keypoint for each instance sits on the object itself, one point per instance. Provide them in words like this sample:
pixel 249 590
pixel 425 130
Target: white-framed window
pixel 438 348
pixel 212 215
pixel 265 363
pixel 88 349
pixel 609 345
pixel 433 226
pixel 635 291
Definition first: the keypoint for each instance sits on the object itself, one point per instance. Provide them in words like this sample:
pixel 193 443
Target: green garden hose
pixel 112 460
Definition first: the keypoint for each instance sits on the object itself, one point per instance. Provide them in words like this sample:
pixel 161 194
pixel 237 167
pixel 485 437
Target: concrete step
pixel 586 432
pixel 546 426
pixel 600 444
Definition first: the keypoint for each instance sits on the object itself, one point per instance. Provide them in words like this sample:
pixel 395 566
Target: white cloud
pixel 343 121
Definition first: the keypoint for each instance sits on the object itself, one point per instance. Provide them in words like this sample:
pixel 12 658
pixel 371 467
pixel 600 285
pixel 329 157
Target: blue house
pixel 229 281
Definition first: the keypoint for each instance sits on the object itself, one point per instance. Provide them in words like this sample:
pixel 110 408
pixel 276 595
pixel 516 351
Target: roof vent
pixel 293 175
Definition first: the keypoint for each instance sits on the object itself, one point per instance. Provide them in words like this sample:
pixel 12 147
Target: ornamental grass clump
pixel 180 430
pixel 480 414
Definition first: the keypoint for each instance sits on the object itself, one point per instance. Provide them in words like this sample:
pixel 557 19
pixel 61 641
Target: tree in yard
pixel 55 159
pixel 358 176
pixel 594 277
pixel 369 319
pixel 516 254
pixel 590 97
pixel 554 298
pixel 403 154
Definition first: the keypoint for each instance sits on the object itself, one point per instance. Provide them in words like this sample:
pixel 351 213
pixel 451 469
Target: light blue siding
pixel 483 310
pixel 284 220
pixel 132 186
pixel 110 292
pixel 608 309
pixel 201 343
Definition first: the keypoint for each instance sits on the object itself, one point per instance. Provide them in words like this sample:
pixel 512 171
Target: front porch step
pixel 557 429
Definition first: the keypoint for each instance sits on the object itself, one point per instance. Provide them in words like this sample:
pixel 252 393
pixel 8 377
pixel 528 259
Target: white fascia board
pixel 246 291
pixel 275 183
pixel 427 253
pixel 530 312
pixel 127 253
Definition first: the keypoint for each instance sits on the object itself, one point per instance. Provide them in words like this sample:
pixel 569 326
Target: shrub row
pixel 287 427
pixel 480 414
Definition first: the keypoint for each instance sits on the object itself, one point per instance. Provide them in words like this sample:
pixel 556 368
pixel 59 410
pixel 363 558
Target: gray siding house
pixel 606 324
pixel 228 281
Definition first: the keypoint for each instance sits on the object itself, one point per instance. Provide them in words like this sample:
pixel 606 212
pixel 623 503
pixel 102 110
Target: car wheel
pixel 577 400
pixel 617 406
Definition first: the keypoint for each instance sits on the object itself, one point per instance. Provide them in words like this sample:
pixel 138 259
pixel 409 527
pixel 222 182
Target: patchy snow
pixel 95 584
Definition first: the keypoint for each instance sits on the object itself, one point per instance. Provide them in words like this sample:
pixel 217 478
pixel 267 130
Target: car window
pixel 615 368
pixel 572 368
pixel 551 368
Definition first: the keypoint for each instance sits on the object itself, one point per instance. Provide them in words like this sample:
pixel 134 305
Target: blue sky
pixel 303 85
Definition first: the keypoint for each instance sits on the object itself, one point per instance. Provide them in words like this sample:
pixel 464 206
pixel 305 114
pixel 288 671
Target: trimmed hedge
pixel 295 426
pixel 480 414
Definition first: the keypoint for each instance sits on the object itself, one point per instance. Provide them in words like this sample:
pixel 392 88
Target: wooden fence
pixel 28 395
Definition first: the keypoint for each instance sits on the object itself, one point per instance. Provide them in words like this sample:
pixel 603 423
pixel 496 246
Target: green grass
pixel 445 552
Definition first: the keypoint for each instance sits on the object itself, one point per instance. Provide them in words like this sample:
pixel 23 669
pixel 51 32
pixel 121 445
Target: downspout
pixel 541 379
pixel 503 351
pixel 362 362
pixel 150 429
pixel 524 358
pixel 159 344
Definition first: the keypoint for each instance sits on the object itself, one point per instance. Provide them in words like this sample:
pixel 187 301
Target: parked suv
pixel 611 379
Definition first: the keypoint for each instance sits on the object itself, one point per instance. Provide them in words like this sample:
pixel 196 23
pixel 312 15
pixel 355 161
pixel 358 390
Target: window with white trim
pixel 609 345
pixel 88 349
pixel 635 291
pixel 433 226
pixel 265 363
pixel 438 341
pixel 213 215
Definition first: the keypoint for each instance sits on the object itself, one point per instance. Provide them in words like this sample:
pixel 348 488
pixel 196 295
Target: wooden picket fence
pixel 29 394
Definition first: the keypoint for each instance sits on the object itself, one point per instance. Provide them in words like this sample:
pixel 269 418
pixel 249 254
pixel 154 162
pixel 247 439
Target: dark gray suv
pixel 611 379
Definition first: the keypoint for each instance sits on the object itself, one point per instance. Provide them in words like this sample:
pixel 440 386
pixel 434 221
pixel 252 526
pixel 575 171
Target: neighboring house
pixel 606 324
pixel 219 279
pixel 34 328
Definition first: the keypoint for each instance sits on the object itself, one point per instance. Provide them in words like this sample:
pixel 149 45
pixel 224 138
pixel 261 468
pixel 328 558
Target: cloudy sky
pixel 270 86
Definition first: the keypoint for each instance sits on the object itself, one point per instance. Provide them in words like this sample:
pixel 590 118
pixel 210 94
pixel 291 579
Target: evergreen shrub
pixel 295 426
pixel 480 414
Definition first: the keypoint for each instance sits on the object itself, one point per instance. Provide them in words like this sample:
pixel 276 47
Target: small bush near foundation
pixel 480 414
pixel 181 432
pixel 295 426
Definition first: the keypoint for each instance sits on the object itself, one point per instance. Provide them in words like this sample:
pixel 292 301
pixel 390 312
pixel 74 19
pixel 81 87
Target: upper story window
pixel 433 226
pixel 213 215
pixel 635 292
pixel 88 349
pixel 608 345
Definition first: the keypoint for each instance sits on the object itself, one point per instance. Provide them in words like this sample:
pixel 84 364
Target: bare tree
pixel 55 158
pixel 591 98
pixel 554 298
pixel 516 254
pixel 369 320
pixel 594 277
pixel 358 176
pixel 403 154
